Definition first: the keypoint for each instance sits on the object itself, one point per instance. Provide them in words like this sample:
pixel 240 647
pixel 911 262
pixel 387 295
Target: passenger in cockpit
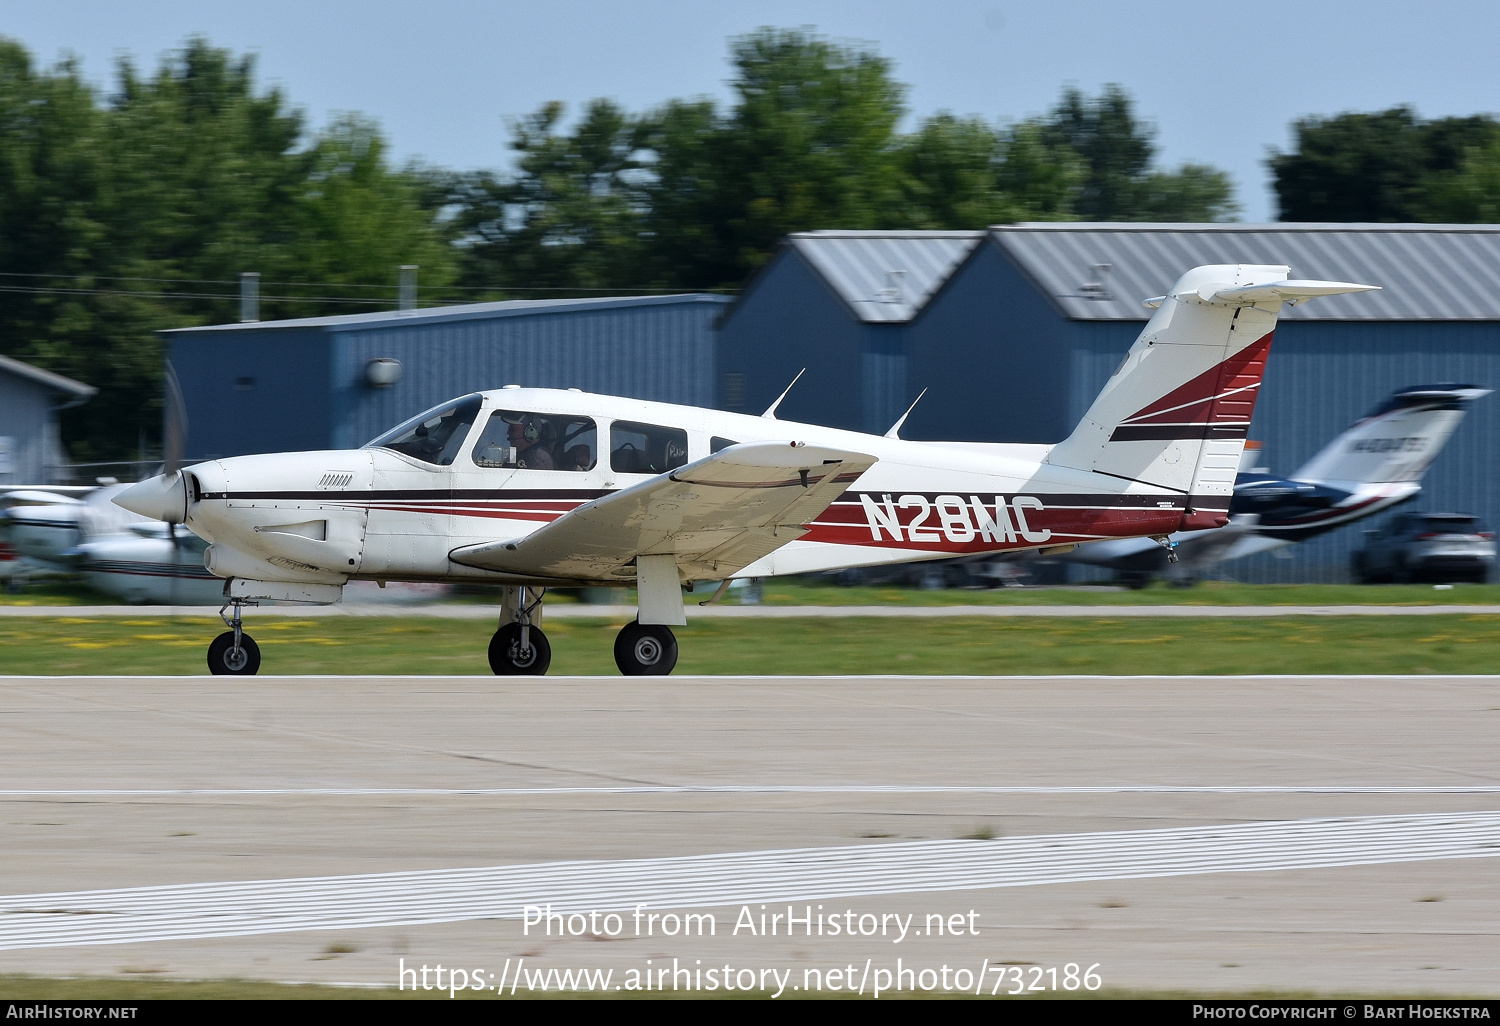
pixel 578 457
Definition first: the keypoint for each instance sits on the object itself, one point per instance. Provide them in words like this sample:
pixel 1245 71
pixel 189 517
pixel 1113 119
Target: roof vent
pixel 895 289
pixel 1098 289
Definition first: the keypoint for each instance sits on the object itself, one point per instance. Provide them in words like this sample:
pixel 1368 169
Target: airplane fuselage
pixel 395 511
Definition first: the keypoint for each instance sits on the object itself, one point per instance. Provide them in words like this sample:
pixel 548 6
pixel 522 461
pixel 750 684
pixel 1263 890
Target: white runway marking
pixel 797 875
pixel 625 789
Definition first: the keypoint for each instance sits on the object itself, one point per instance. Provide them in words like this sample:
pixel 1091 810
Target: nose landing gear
pixel 234 651
pixel 520 647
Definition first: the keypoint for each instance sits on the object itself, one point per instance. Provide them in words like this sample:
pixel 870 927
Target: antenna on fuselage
pixel 770 413
pixel 895 431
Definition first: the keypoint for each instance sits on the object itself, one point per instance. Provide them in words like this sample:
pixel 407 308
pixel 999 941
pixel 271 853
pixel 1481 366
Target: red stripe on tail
pixel 1206 398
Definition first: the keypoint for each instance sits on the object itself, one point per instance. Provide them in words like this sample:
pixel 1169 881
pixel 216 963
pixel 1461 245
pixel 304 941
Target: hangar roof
pixel 46 378
pixel 462 312
pixel 1428 272
pixel 884 277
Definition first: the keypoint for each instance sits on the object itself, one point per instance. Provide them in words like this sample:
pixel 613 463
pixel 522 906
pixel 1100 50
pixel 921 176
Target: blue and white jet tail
pixel 1397 441
pixel 1376 464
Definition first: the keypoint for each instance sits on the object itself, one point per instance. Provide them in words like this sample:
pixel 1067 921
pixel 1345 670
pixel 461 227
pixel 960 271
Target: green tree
pixel 572 216
pixel 140 212
pixel 688 196
pixel 689 210
pixel 49 182
pixel 1115 148
pixel 1468 194
pixel 1117 151
pixel 1372 167
pixel 811 142
pixel 692 196
pixel 355 221
pixel 1041 177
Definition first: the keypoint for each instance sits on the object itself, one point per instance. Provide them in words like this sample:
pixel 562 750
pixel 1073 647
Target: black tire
pixel 222 657
pixel 645 650
pixel 508 659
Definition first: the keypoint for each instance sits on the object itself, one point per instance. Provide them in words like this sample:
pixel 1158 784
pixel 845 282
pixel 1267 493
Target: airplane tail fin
pixel 1397 440
pixel 1175 413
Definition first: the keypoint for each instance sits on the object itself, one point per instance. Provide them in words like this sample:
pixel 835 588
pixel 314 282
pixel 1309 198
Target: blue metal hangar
pixel 336 382
pixel 31 450
pixel 1014 331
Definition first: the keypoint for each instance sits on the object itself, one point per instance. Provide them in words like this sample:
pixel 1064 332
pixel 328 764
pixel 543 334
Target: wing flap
pixel 716 516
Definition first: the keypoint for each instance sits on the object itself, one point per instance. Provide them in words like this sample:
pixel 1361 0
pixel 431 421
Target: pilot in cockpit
pixel 536 441
pixel 529 437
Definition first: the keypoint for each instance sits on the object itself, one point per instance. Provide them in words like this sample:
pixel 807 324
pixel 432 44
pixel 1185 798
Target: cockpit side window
pixel 646 448
pixel 537 441
pixel 435 436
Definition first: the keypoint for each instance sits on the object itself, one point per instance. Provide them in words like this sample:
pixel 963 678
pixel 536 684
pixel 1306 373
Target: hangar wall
pixel 31 450
pixel 994 356
pixel 280 386
pixel 25 412
pixel 1019 334
pixel 840 304
pixel 1321 378
pixel 789 320
pixel 252 390
pixel 1014 330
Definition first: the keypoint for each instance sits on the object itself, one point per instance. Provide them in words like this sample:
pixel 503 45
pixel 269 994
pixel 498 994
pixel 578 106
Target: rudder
pixel 1175 413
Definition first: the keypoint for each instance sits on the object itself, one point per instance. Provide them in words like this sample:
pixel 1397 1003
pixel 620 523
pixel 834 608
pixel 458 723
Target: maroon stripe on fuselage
pixel 930 522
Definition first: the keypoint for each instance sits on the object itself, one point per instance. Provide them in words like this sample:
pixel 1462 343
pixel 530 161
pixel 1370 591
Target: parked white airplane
pixel 40 524
pixel 513 487
pixel 51 533
pixel 1376 464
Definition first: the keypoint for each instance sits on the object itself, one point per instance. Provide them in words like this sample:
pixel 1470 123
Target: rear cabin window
pixel 646 448
pixel 1450 525
pixel 435 436
pixel 537 441
pixel 717 443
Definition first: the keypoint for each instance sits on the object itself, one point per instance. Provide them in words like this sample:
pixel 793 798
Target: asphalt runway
pixel 1196 834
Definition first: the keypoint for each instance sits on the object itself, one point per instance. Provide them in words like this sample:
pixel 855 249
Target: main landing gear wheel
pixel 225 656
pixel 508 656
pixel 645 649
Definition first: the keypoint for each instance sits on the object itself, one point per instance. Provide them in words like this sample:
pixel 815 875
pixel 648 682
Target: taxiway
pixel 1201 834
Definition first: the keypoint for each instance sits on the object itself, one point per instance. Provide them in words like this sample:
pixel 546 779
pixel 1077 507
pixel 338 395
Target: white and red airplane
pixel 533 488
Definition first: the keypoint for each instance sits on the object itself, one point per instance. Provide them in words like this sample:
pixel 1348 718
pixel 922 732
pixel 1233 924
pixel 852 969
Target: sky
pixel 1222 83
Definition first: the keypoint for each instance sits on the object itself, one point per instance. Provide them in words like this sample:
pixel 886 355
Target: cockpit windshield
pixel 435 436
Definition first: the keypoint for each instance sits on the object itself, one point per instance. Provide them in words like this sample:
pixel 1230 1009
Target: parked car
pixel 1426 547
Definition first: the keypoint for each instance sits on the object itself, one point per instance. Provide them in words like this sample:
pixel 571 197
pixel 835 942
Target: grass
pixel 1460 643
pixel 805 592
pixel 820 591
pixel 57 593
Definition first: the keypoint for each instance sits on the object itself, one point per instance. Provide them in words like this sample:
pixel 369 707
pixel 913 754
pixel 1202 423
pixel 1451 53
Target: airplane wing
pixel 716 516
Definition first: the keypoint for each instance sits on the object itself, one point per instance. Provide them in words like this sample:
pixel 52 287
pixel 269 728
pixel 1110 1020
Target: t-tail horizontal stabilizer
pixel 1175 413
